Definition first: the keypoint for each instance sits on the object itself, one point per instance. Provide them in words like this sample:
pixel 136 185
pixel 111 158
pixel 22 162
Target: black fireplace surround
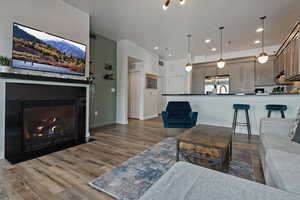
pixel 41 119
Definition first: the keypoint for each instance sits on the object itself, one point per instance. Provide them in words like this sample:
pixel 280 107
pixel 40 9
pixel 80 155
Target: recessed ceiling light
pixel 260 29
pixel 207 41
pixel 170 55
pixel 256 41
pixel 213 49
pixel 156 48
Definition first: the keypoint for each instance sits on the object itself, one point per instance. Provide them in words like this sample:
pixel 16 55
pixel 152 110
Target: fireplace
pixel 43 119
pixel 47 123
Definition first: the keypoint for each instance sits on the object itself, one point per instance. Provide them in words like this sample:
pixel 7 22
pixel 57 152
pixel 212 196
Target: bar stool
pixel 246 108
pixel 274 107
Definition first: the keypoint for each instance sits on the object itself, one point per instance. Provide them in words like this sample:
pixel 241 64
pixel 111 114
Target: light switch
pixel 113 90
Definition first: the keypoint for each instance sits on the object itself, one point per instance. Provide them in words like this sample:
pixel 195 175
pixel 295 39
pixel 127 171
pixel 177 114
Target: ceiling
pixel 145 23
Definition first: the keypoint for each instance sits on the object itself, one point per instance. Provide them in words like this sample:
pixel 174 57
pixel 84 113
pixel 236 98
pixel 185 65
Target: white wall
pixel 55 17
pixel 125 49
pixel 178 80
pixel 52 16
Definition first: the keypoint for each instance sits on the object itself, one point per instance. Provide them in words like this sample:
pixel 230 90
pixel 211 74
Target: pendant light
pixel 263 57
pixel 221 63
pixel 189 66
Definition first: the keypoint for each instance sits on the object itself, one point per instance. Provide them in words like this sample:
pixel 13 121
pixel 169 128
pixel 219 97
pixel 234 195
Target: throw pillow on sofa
pixel 296 137
pixel 294 129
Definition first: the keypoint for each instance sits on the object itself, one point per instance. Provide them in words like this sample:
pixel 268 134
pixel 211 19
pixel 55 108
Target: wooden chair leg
pixel 234 121
pixel 282 114
pixel 269 113
pixel 248 124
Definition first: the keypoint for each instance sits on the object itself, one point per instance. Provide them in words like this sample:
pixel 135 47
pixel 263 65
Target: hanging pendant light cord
pixel 189 47
pixel 263 36
pixel 221 42
pixel 263 33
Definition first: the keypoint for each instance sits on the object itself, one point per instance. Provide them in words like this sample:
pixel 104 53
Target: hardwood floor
pixel 65 174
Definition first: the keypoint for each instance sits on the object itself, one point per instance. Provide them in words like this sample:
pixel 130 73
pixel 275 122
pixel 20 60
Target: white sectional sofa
pixel 281 165
pixel 185 181
pixel 279 155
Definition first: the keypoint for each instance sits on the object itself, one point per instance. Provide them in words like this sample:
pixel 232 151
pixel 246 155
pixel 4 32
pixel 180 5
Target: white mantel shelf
pixel 43 81
pixel 218 110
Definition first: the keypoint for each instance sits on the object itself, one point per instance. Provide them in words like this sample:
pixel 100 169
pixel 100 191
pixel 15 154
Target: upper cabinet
pixel 287 58
pixel 198 79
pixel 264 73
pixel 241 72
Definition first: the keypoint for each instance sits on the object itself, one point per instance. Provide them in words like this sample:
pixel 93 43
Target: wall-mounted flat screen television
pixel 37 50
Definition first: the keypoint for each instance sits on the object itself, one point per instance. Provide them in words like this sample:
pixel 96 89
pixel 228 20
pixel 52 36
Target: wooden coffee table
pixel 210 143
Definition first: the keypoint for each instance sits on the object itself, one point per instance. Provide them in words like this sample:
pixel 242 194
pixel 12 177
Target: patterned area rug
pixel 131 179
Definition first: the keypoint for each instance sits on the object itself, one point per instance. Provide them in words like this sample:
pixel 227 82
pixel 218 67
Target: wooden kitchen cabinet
pixel 198 79
pixel 264 73
pixel 241 76
pixel 287 57
pixel 211 70
pixel 293 68
pixel 288 66
pixel 241 72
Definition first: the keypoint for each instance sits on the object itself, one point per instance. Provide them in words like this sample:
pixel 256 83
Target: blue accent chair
pixel 179 115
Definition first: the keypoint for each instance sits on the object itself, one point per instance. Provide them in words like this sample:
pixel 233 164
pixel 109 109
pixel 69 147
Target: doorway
pixel 134 88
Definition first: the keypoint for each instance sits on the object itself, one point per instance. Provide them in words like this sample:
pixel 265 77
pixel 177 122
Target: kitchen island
pixel 217 110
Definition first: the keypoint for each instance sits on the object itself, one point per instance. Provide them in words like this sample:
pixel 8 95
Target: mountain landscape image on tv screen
pixel 37 50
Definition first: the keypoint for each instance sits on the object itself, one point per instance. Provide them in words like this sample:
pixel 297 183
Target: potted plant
pixel 5 61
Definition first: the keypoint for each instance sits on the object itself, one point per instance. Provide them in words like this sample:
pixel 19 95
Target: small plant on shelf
pixel 5 61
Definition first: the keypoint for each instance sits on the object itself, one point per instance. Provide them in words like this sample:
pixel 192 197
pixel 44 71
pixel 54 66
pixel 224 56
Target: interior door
pixel 133 95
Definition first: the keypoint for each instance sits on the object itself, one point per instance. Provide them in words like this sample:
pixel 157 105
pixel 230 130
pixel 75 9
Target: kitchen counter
pixel 222 95
pixel 217 110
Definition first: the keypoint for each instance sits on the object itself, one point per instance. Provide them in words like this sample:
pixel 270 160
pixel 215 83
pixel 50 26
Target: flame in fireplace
pixel 40 128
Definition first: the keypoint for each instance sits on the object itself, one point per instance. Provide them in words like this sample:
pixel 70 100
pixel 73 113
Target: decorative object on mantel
pixel 151 81
pixel 5 61
pixel 189 66
pixel 221 63
pixel 92 84
pixel 91 78
pixel 263 56
pixel 109 74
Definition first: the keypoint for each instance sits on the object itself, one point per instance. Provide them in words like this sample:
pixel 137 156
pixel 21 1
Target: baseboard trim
pixel 122 122
pixel 150 117
pixel 97 128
